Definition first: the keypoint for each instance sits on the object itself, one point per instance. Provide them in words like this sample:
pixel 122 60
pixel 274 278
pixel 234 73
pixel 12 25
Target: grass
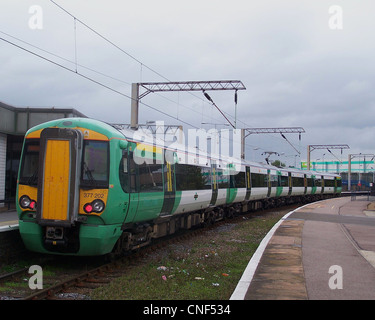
pixel 207 266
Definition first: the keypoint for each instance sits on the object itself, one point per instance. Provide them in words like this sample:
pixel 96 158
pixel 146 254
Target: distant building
pixel 362 171
pixel 14 122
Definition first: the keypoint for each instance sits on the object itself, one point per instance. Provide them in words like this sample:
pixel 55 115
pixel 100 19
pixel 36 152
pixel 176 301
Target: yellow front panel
pixel 29 191
pixel 56 180
pixel 87 196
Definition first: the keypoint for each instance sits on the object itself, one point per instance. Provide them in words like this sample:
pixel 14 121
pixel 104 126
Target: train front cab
pixel 63 191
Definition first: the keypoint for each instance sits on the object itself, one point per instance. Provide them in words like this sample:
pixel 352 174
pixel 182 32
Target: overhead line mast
pixel 181 86
pixel 312 147
pixel 250 131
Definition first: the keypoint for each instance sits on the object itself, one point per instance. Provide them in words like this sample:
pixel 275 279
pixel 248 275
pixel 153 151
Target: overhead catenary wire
pixel 109 41
pixel 76 19
pixel 91 79
pixel 84 76
pixel 225 114
pixel 129 55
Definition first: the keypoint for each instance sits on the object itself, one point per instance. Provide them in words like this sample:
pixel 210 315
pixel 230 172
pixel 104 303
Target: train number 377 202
pixel 93 195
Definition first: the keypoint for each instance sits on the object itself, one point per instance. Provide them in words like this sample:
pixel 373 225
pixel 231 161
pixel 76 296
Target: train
pixel 87 188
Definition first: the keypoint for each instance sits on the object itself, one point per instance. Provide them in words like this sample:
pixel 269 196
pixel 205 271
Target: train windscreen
pixel 95 164
pixel 30 163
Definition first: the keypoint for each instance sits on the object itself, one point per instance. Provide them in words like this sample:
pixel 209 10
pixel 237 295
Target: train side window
pixel 128 172
pixel 189 177
pixel 207 178
pixel 274 180
pixel 238 180
pixel 298 182
pixel 318 182
pixel 284 181
pixel 329 183
pixel 123 172
pixel 133 173
pixel 222 179
pixel 258 180
pixel 338 182
pixel 150 178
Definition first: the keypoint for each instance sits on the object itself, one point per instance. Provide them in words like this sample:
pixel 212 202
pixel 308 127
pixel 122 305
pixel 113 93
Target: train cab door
pixel 129 182
pixel 59 176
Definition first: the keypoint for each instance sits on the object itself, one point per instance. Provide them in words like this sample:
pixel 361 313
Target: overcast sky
pixel 304 63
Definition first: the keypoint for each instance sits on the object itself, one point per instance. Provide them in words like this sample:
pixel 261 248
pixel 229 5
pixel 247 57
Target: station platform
pixel 8 220
pixel 321 251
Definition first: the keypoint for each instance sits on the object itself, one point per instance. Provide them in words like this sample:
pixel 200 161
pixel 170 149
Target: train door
pixel 59 176
pixel 169 189
pixel 129 182
pixel 272 183
pixel 290 183
pixel 337 184
pixel 280 184
pixel 214 185
pixel 313 181
pixel 268 183
pixel 248 184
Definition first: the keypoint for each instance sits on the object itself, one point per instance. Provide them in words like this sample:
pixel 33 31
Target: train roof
pixel 183 152
pixel 141 136
pixel 76 122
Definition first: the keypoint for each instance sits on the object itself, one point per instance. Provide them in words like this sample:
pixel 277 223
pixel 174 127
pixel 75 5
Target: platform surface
pixel 324 250
pixel 8 220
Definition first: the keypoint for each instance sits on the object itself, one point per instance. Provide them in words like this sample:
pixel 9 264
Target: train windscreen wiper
pixel 89 175
pixel 33 180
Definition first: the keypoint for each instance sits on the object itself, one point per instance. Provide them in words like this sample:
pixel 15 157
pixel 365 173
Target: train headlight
pixel 26 203
pixel 98 205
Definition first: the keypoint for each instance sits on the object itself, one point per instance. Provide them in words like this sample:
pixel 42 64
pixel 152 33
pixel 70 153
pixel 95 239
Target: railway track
pixel 76 284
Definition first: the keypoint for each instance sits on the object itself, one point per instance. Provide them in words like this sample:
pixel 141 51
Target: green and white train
pixel 86 188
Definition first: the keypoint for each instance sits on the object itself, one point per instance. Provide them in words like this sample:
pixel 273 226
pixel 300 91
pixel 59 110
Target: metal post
pixel 134 106
pixel 180 135
pixel 349 171
pixel 308 157
pixel 243 143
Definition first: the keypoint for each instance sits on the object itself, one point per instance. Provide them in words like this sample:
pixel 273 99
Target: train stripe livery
pixel 86 188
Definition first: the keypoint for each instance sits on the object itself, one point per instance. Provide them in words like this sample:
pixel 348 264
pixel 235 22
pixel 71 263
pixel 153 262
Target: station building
pixel 362 171
pixel 14 122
